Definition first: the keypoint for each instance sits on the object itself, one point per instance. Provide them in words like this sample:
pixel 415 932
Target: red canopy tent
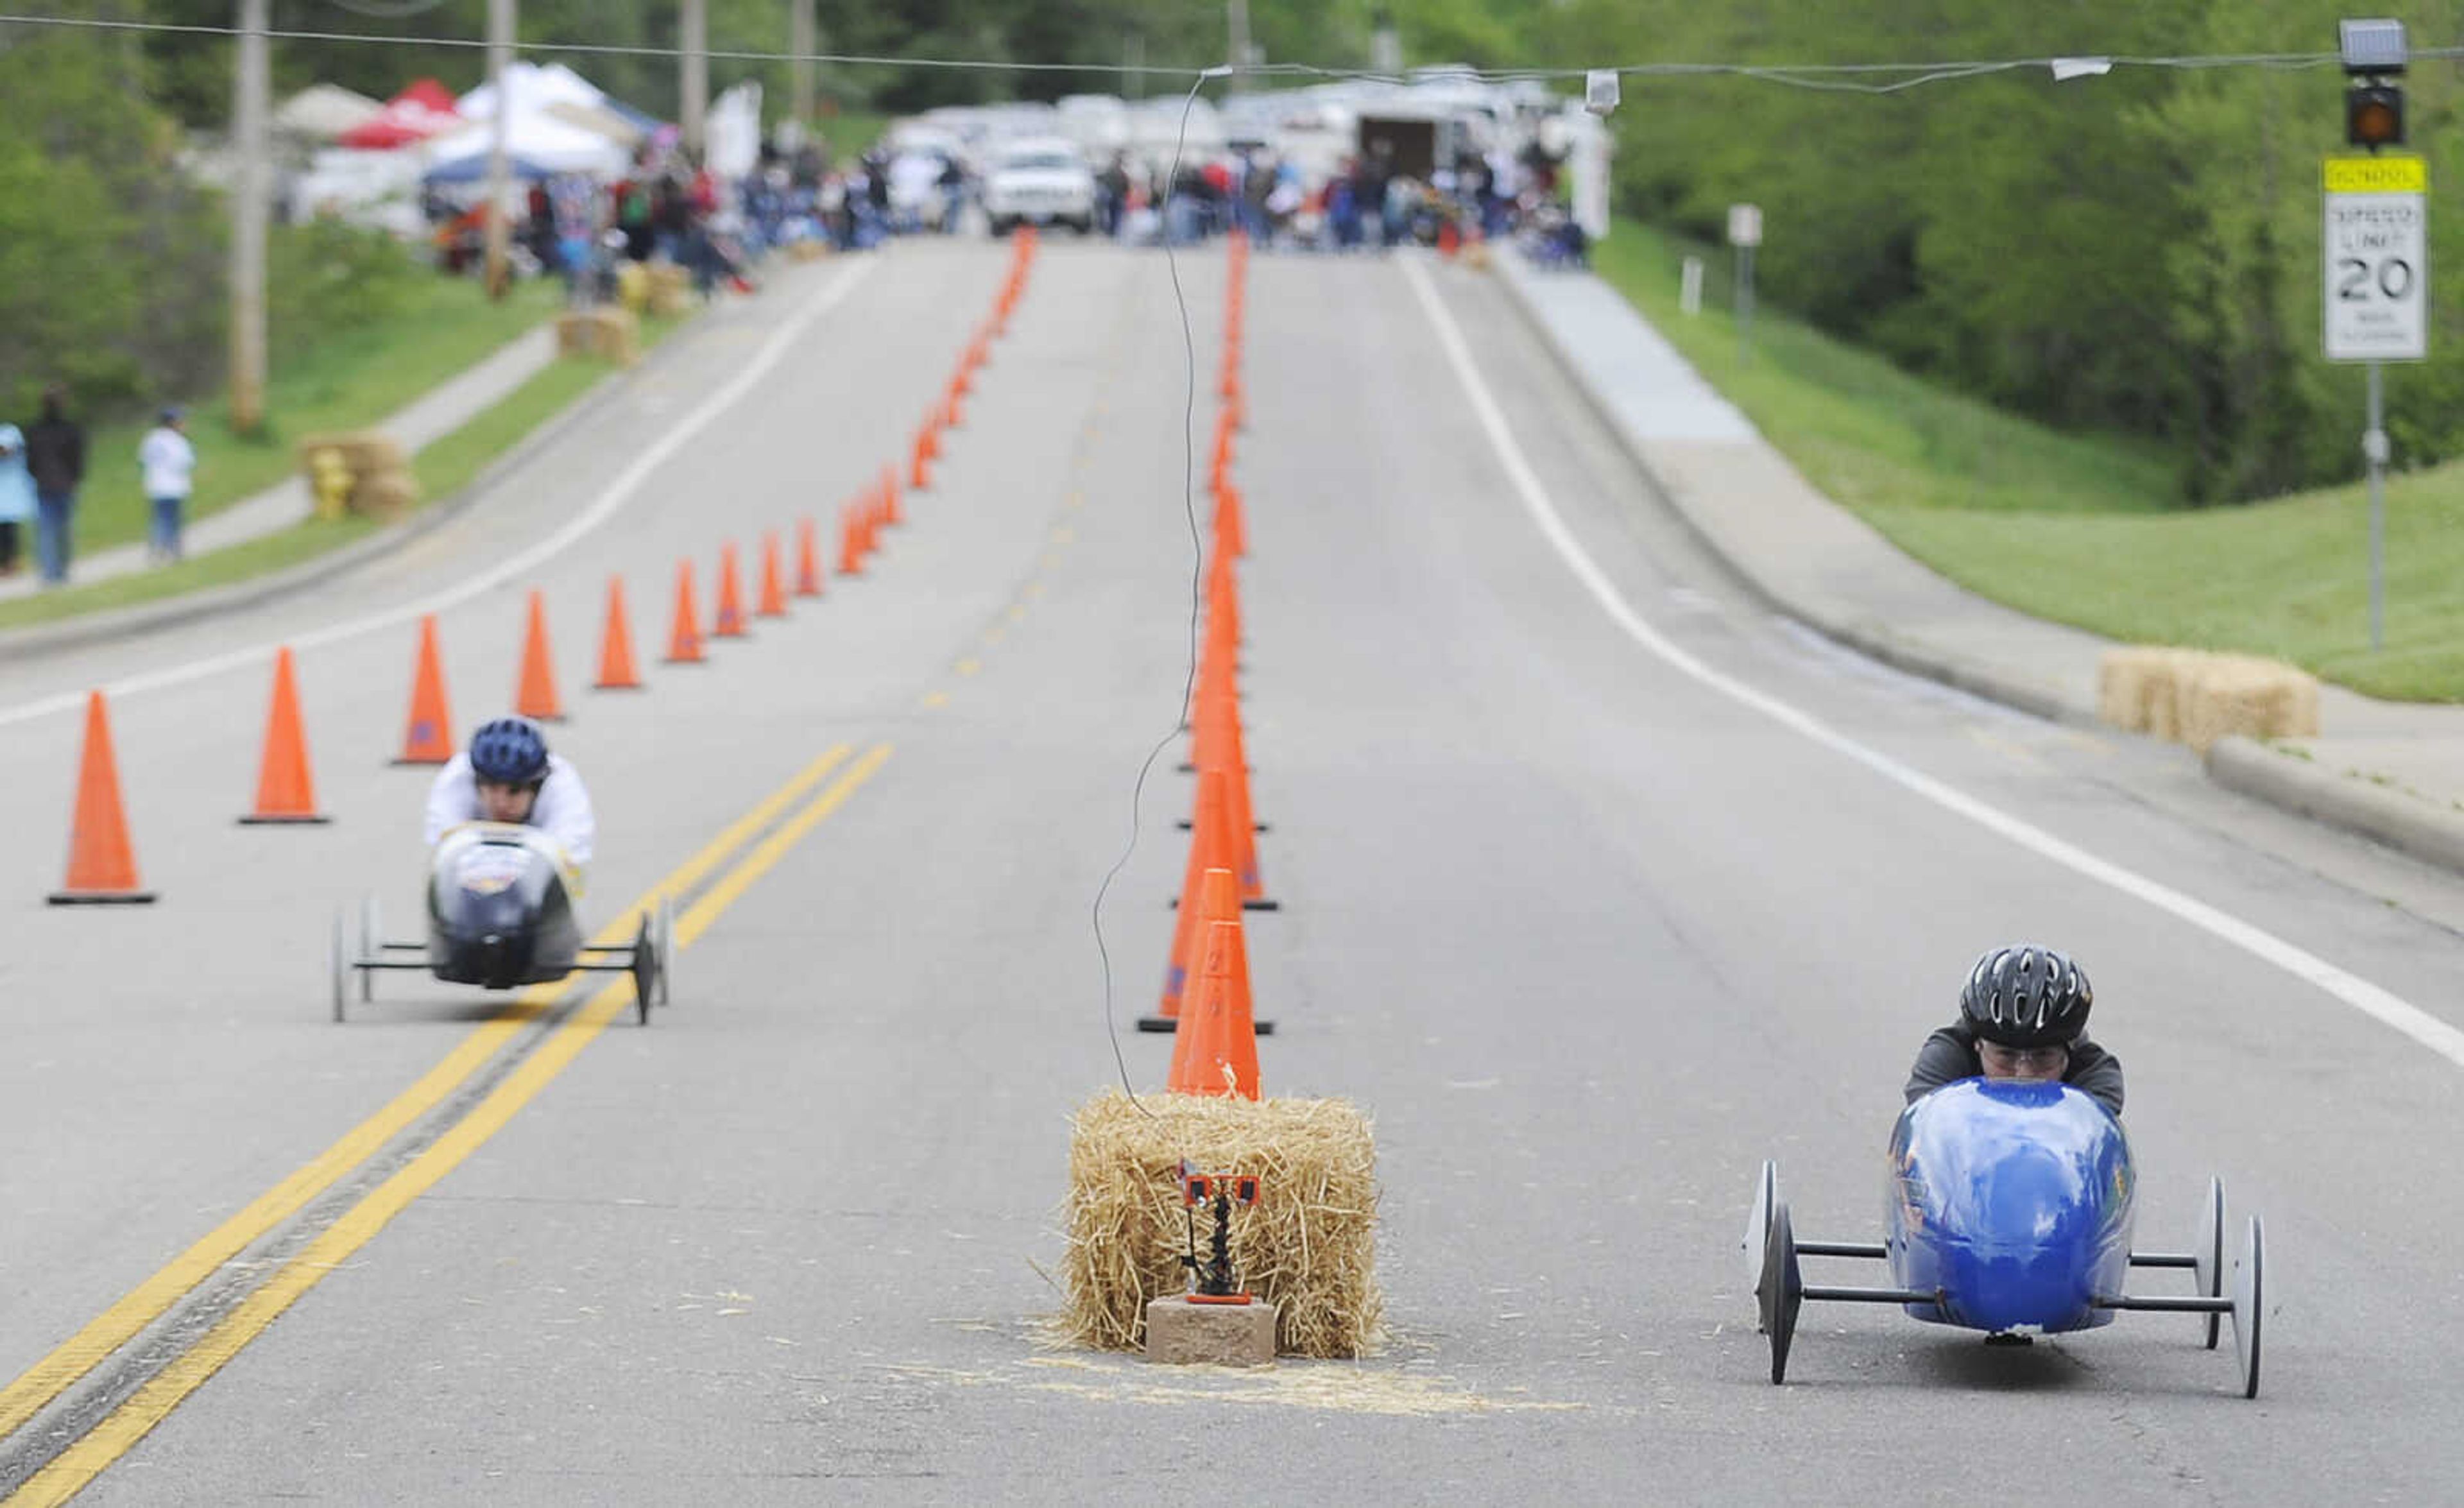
pixel 414 115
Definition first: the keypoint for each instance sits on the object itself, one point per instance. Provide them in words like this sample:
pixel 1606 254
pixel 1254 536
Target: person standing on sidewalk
pixel 169 461
pixel 56 457
pixel 16 496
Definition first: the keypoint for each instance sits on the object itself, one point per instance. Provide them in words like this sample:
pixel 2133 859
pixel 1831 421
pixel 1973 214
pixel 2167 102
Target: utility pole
pixel 248 222
pixel 693 42
pixel 1134 63
pixel 1238 18
pixel 801 41
pixel 500 158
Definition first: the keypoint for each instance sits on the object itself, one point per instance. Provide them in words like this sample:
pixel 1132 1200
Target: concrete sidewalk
pixel 441 411
pixel 2390 770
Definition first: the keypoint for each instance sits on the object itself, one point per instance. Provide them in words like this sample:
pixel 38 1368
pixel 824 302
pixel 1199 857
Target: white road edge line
pixel 619 493
pixel 2371 1000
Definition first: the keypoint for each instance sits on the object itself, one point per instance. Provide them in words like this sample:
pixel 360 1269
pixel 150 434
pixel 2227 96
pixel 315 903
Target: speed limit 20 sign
pixel 2377 260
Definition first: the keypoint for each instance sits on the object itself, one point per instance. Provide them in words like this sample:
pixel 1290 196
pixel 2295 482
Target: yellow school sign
pixel 2377 175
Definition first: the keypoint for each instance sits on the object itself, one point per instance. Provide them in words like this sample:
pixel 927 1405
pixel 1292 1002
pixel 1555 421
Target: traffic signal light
pixel 2374 114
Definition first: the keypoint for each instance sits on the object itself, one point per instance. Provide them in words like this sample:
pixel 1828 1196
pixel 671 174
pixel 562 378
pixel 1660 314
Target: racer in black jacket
pixel 2022 1014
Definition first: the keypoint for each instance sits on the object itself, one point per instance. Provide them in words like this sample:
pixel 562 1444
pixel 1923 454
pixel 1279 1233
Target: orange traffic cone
pixel 929 437
pixel 1219 900
pixel 616 671
pixel 728 621
pixel 684 636
pixel 535 694
pixel 891 517
pixel 1210 847
pixel 1231 528
pixel 1223 598
pixel 285 791
pixel 102 870
pixel 919 471
pixel 429 740
pixel 850 542
pixel 774 590
pixel 1241 822
pixel 1216 1051
pixel 808 560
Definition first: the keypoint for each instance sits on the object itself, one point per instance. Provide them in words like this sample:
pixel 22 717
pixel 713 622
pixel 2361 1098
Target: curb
pixel 115 623
pixel 2410 827
pixel 2401 822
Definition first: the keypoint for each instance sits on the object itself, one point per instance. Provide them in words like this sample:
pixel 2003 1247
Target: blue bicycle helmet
pixel 509 751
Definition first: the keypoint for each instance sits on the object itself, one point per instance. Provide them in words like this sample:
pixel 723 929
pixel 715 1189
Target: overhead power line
pixel 1877 79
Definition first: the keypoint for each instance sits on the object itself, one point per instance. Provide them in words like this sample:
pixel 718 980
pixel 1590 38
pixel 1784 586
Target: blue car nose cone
pixel 2022 1253
pixel 2012 1200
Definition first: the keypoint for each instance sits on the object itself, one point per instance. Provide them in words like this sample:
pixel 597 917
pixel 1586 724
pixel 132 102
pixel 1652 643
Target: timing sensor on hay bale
pixel 1306 1250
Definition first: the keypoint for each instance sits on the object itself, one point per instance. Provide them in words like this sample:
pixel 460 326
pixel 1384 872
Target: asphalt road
pixel 1587 936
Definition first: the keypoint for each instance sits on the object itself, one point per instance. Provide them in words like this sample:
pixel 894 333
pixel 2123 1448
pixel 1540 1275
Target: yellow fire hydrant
pixel 329 476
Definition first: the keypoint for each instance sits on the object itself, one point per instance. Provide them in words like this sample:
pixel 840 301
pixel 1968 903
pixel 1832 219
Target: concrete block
pixel 1185 1333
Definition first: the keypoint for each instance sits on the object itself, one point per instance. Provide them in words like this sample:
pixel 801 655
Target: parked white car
pixel 1042 180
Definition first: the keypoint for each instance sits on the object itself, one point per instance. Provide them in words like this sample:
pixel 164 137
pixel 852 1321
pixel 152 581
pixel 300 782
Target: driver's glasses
pixel 2023 1062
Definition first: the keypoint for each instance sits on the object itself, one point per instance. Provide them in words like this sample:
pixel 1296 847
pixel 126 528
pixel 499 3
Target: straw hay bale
pixel 611 334
pixel 2122 676
pixel 1308 1244
pixel 670 289
pixel 365 452
pixel 386 494
pixel 2195 697
pixel 2259 698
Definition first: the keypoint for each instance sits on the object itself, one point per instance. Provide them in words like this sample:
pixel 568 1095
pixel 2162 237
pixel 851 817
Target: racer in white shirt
pixel 508 775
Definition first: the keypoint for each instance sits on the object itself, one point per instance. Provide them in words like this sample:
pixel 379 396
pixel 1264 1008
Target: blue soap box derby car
pixel 2007 1209
pixel 501 915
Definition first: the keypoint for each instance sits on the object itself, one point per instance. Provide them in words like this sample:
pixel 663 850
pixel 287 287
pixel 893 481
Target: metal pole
pixel 248 222
pixel 2374 449
pixel 500 160
pixel 1744 305
pixel 692 41
pixel 1133 58
pixel 801 32
pixel 1237 19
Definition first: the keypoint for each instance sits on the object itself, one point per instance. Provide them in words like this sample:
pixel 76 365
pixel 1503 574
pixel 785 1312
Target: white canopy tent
pixel 323 112
pixel 557 122
pixel 539 144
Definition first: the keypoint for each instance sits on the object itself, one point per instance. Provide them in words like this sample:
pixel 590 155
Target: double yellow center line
pixel 72 1359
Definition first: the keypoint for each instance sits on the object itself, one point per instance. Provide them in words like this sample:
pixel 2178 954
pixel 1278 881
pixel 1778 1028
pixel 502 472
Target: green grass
pixel 1863 430
pixel 2288 579
pixel 444 469
pixel 2081 530
pixel 220 568
pixel 345 382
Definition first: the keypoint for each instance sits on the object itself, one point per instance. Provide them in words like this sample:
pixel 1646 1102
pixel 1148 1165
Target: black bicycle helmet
pixel 2025 997
pixel 509 751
